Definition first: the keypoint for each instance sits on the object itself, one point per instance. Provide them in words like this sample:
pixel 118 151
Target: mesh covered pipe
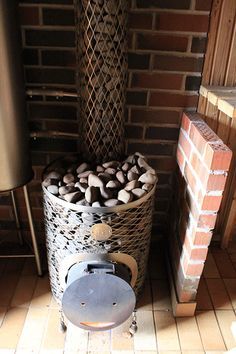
pixel 101 45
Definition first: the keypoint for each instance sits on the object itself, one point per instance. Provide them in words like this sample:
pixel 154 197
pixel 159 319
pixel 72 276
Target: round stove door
pixel 98 301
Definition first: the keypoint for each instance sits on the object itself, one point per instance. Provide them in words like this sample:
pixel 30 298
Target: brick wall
pixel 166 47
pixel 203 161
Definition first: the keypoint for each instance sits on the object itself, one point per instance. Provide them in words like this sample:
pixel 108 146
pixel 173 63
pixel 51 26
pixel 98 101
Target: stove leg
pixel 133 327
pixel 16 216
pixel 32 231
pixel 62 326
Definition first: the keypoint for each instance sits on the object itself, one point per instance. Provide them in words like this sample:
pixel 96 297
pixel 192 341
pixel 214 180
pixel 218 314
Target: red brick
pixel 67 126
pixel 163 164
pixel 133 131
pixel 157 116
pixel 199 45
pixel 185 123
pixel 5 213
pixel 186 296
pixel 175 252
pixel 166 99
pixel 30 56
pixel 38 111
pixel 179 185
pixel 165 190
pixel 203 5
pixel 163 4
pixel 56 76
pixel 201 134
pixel 202 238
pixel 37 213
pixel 58 17
pixel 192 269
pixel 167 21
pixel 192 204
pixel 162 42
pixel 198 138
pixel 39 158
pixel 65 58
pixel 218 157
pixel 188 118
pixel 130 40
pixel 158 81
pixel 162 133
pixel 185 286
pixel 50 38
pixel 208 202
pixel 140 20
pixel 191 179
pixel 180 63
pixel 138 61
pixel 29 15
pixel 207 221
pixel 215 183
pixel 136 98
pixel 183 219
pixel 180 159
pixel 200 169
pixel 195 253
pixel 38 172
pixel 208 134
pixel 151 148
pixel 192 83
pixel 162 205
pixel 184 144
pixel 194 116
pixel 199 238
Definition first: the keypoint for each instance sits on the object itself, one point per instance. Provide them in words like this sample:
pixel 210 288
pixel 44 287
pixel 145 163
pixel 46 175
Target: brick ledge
pixel 180 309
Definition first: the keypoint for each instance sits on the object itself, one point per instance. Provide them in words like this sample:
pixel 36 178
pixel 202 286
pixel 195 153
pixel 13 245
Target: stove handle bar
pixel 100 267
pixel 122 258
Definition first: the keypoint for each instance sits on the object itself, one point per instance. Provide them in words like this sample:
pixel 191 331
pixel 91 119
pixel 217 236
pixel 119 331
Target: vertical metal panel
pixel 14 148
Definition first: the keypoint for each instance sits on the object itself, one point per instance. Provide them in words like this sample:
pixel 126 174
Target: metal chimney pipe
pixel 101 44
pixel 15 161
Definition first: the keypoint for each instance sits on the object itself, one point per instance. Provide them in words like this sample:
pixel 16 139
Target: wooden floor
pixel 29 315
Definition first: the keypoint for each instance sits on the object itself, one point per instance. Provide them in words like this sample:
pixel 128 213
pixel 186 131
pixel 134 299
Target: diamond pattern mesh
pixel 68 232
pixel 101 77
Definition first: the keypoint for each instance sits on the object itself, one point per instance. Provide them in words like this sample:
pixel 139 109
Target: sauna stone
pixel 73 197
pixel 131 185
pixel 69 177
pixel 53 189
pixel 138 192
pixel 95 181
pixel 91 194
pixel 111 202
pixel 108 184
pixel 121 177
pixel 82 167
pixel 124 196
pixel 66 189
pixel 147 177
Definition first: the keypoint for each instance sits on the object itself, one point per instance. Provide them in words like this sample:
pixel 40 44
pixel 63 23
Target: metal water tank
pixel 15 161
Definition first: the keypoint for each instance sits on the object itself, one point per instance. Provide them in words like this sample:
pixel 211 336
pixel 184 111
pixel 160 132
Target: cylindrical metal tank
pixel 15 162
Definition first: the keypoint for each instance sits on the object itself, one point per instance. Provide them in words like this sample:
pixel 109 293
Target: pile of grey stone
pixel 106 185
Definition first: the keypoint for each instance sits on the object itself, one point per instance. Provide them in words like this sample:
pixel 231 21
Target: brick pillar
pixel 203 162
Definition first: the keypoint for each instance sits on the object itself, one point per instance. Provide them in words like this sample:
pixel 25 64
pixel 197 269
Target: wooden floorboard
pixel 29 316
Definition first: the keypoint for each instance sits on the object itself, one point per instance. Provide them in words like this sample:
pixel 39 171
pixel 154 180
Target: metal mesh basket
pixel 101 45
pixel 68 232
